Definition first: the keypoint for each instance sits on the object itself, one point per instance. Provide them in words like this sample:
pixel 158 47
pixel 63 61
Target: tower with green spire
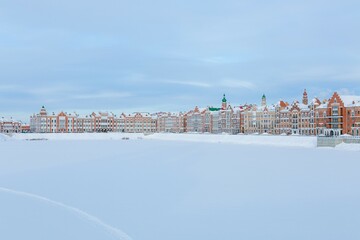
pixel 224 102
pixel 263 100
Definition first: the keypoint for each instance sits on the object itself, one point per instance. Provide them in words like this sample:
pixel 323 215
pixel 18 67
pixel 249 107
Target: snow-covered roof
pixel 168 114
pixel 7 120
pixel 285 110
pixel 315 101
pixel 323 105
pixel 267 107
pixel 303 107
pixel 350 100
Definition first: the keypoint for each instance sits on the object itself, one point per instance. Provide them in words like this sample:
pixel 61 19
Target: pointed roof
pixel 224 99
pixel 350 100
pixel 316 101
pixel 214 109
pixel 282 104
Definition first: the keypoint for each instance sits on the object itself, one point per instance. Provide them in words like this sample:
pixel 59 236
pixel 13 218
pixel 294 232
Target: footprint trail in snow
pixel 84 215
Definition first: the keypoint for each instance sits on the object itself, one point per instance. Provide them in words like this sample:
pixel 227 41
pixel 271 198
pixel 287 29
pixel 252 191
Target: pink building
pixel 332 117
pixel 9 126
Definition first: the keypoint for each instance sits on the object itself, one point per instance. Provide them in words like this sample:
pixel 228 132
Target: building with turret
pixel 263 100
pixel 305 100
pixel 224 102
pixel 335 116
pixel 259 120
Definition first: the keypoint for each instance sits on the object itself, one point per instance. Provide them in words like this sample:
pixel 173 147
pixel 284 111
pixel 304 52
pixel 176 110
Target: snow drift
pixel 178 186
pixel 3 137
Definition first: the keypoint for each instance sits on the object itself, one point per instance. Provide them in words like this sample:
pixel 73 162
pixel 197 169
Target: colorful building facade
pixel 9 126
pixel 335 116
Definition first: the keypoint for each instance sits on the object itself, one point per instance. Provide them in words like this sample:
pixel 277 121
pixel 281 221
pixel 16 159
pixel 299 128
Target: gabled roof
pixel 6 120
pixel 303 106
pixel 282 104
pixel 350 100
pixel 316 101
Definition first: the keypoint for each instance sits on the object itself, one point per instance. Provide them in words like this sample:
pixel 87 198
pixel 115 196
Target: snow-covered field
pixel 177 186
pixel 294 141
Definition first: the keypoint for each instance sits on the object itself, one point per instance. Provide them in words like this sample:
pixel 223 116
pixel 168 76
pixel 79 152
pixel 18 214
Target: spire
pixel 43 111
pixel 263 100
pixel 305 100
pixel 224 104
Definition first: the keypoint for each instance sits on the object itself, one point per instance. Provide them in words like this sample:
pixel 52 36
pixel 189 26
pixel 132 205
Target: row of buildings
pixel 10 126
pixel 335 116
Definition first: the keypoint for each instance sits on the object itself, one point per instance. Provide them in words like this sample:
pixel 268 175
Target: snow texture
pixel 3 137
pixel 112 230
pixel 293 141
pixel 261 140
pixel 178 187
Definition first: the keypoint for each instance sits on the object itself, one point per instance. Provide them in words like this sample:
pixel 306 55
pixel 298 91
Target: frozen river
pixel 157 189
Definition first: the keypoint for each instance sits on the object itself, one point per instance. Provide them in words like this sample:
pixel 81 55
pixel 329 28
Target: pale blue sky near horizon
pixel 173 55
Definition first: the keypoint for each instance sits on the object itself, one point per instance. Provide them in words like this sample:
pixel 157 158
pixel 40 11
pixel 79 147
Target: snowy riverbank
pixel 294 141
pixel 177 187
pixel 255 140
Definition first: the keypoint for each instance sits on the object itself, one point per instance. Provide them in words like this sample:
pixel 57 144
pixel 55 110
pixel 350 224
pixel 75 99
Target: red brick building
pixel 340 115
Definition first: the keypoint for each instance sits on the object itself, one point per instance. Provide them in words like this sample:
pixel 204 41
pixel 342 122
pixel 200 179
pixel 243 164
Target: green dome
pixel 224 99
pixel 263 96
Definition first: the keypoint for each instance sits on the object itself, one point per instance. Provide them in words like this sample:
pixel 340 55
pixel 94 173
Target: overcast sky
pixel 138 55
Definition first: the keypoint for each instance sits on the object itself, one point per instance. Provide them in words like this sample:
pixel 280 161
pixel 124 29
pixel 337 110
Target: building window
pixel 335 110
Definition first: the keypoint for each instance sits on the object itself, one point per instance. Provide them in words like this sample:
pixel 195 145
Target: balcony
pixel 336 117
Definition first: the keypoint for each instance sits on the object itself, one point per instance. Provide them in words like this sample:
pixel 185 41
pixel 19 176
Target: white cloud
pixel 5 88
pixel 38 90
pixel 102 95
pixel 351 76
pixel 44 91
pixel 233 83
pixel 326 73
pixel 218 60
pixel 136 77
pixel 189 83
pixel 325 93
pixel 346 91
pixel 228 83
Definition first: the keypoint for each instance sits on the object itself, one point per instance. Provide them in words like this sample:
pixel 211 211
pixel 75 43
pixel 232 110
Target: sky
pixel 161 55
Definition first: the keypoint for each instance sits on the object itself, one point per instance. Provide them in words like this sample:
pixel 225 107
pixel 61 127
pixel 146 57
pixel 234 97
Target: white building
pixel 9 126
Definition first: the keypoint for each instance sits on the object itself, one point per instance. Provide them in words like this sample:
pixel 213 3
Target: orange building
pixel 339 115
pixel 332 117
pixel 138 123
pixel 64 122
